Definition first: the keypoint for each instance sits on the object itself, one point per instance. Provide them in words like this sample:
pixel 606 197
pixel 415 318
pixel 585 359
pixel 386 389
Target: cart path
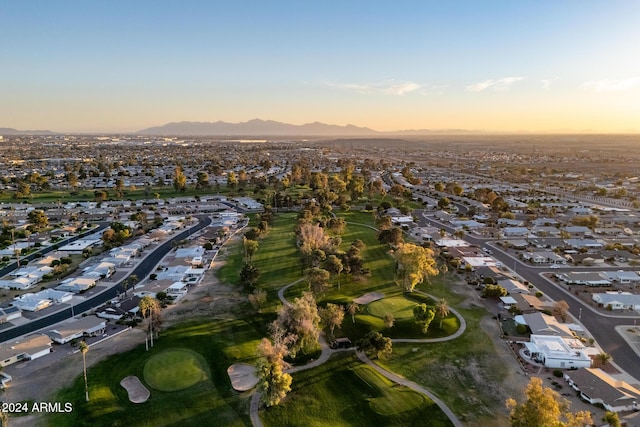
pixel 326 353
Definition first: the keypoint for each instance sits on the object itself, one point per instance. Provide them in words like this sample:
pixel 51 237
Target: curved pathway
pixel 326 353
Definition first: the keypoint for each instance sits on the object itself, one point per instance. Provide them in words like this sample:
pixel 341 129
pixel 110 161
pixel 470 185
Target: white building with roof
pixel 618 300
pixel 555 352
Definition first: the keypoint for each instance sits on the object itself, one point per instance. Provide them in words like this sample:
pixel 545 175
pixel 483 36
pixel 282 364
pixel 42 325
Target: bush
pixel 557 373
pixel 521 329
pixel 539 294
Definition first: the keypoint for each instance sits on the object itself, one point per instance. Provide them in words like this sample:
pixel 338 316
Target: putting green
pixel 400 307
pixel 175 369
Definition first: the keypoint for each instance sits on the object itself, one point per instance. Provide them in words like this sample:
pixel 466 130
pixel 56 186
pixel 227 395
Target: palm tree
pixel 84 348
pixel 149 309
pixel 130 281
pixel 603 358
pixel 442 310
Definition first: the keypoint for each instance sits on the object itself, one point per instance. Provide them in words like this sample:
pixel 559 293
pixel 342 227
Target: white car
pixel 554 266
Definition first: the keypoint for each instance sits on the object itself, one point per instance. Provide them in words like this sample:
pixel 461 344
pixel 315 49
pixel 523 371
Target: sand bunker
pixel 367 298
pixel 138 393
pixel 243 376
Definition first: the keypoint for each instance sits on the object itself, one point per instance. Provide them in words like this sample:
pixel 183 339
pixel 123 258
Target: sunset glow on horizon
pixel 119 66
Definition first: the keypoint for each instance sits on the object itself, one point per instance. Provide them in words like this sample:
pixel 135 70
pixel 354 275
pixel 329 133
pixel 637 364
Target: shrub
pixel 539 294
pixel 557 373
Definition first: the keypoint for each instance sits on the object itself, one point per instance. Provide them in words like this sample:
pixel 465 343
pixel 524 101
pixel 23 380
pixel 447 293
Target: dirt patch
pixel 137 392
pixel 369 297
pixel 243 376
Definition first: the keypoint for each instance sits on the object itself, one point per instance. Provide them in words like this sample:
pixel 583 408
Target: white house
pixel 90 326
pixel 555 352
pixel 618 300
pixel 31 302
pixel 177 290
pixel 24 348
pixel 77 284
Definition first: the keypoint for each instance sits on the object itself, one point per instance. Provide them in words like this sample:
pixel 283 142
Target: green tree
pixel 544 408
pixel 423 315
pixel 352 309
pixel 318 279
pixel 414 264
pixel 301 320
pixel 128 282
pixel 202 180
pixel 179 180
pixel 38 219
pixel 391 236
pixel 612 419
pixel 334 265
pixel 603 358
pixel 376 342
pixel 250 248
pixel 150 311
pixel 232 179
pixel 274 382
pixel 442 310
pixel 249 275
pixel 84 348
pixel 332 315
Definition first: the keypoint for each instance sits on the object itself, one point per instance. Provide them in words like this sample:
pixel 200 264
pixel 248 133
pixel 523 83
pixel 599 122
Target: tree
pixel 84 348
pixel 129 281
pixel 332 315
pixel 544 408
pixel 389 320
pixel 603 358
pixel 391 236
pixel 179 180
pixel 38 218
pixel 561 308
pixel 150 311
pixel 415 263
pixel 376 342
pixel 444 202
pixel 442 310
pixel 494 291
pixel 257 299
pixel 250 248
pixel 423 315
pixel 202 180
pixel 334 265
pixel 301 320
pixel 612 419
pixel 274 382
pixel 352 309
pixel 249 275
pixel 318 280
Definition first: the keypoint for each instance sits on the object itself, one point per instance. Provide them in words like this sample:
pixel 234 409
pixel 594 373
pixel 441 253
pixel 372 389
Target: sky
pixel 508 66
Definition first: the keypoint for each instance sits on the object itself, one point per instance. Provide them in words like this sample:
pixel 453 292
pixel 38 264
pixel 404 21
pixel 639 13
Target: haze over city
pixel 489 66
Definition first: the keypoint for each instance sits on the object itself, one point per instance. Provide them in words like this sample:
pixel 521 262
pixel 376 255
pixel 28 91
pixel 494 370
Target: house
pixel 31 302
pixel 24 348
pixel 89 326
pixel 7 314
pixel 555 352
pixel 77 284
pixel 116 310
pixel 584 278
pixel 535 257
pixel 597 387
pixel 586 259
pixel 543 324
pixel 624 277
pixel 514 286
pixel 583 243
pixel 102 270
pixel 78 246
pixel 176 290
pixel 56 297
pixel 527 303
pixel 515 231
pixel 617 300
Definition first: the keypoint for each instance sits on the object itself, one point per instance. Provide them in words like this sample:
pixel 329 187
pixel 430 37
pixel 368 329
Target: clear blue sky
pixel 493 65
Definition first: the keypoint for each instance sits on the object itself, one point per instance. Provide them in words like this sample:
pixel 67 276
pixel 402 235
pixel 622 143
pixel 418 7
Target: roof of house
pixel 596 383
pixel 30 344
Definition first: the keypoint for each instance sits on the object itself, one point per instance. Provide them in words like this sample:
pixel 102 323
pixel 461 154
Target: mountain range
pixel 273 128
pixel 12 131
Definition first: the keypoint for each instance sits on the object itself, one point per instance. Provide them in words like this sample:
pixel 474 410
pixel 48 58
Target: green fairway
pixel 400 307
pixel 207 346
pixel 175 369
pixel 345 392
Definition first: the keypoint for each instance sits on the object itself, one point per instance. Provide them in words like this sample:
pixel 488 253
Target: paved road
pixel 141 270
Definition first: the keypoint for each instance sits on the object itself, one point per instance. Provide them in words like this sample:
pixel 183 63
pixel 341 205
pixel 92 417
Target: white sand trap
pixel 367 298
pixel 243 376
pixel 138 393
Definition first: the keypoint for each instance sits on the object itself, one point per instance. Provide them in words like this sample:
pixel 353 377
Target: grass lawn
pixel 400 307
pixel 363 398
pixel 175 369
pixel 210 401
pixel 465 373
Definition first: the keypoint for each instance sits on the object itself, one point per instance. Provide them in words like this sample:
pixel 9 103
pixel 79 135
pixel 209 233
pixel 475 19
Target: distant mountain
pixel 256 127
pixel 11 131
